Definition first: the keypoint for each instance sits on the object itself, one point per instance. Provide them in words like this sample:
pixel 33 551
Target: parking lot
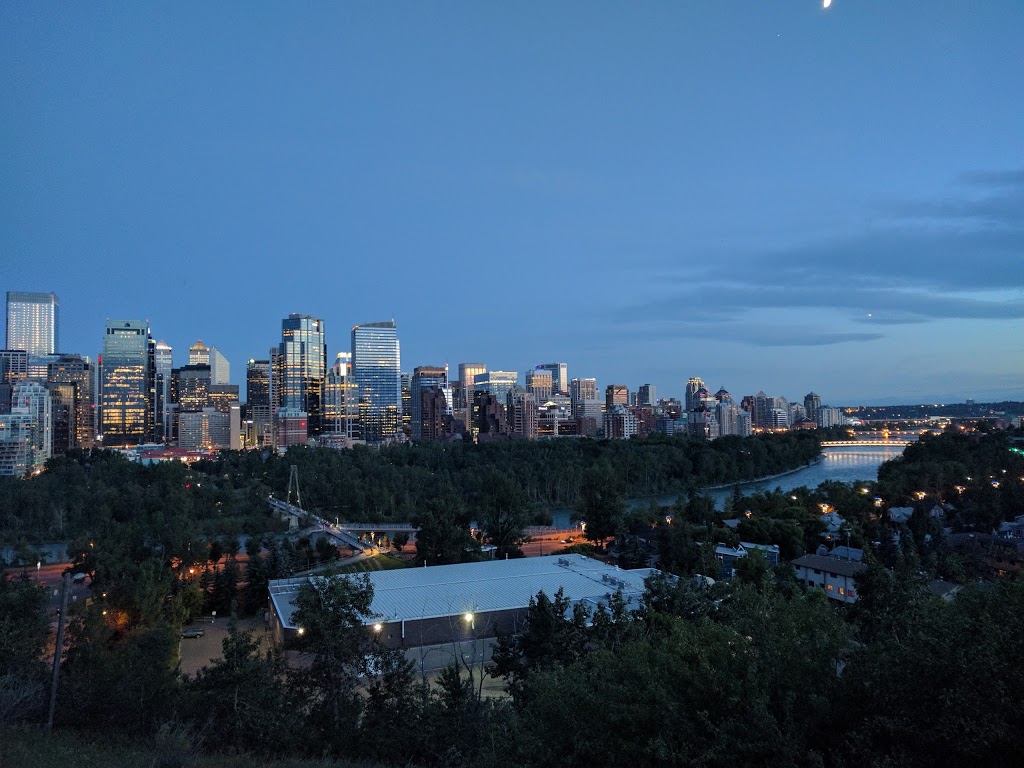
pixel 198 652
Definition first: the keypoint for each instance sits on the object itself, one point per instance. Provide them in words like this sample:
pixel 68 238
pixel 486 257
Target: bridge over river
pixel 866 443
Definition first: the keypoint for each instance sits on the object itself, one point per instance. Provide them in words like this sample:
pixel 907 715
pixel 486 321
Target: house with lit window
pixel 831 574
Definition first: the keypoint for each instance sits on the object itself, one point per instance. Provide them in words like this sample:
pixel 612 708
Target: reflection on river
pixel 847 465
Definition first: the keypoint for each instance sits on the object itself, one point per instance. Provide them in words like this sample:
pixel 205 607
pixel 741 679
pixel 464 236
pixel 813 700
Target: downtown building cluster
pixel 133 397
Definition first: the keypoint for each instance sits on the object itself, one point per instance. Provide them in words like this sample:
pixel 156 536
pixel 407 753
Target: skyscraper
pixel 647 395
pixel 559 376
pixel 191 388
pixel 76 371
pixel 341 401
pixel 199 354
pixel 497 383
pixel 13 365
pixel 127 383
pixel 376 366
pixel 163 364
pixel 540 383
pixel 812 402
pixel 33 399
pixel 424 378
pixel 693 387
pixel 523 413
pixel 260 412
pixel 32 322
pixel 405 420
pixel 580 390
pixel 615 394
pixel 467 372
pixel 303 368
pixel 220 368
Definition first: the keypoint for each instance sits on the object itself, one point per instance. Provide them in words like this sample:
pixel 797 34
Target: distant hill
pixel 962 410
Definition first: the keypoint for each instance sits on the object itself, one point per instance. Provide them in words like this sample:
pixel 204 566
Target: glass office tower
pixel 32 322
pixel 302 368
pixel 376 367
pixel 127 386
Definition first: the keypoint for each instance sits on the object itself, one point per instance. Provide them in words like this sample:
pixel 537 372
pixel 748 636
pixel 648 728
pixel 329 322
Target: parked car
pixel 192 632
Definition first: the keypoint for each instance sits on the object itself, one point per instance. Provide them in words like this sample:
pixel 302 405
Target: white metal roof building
pixel 420 606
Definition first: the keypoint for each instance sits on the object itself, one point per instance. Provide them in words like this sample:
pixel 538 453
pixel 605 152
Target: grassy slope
pixel 32 748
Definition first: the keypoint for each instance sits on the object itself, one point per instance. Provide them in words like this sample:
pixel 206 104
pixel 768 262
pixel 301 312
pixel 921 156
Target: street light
pixel 470 619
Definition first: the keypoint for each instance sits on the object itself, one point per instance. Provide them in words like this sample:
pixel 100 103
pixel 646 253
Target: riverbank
pixel 767 478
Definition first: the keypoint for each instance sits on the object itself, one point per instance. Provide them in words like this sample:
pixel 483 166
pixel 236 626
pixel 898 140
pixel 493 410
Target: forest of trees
pixel 758 672
pixel 80 493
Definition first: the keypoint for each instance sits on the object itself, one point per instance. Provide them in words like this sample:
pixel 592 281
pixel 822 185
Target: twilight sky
pixel 765 194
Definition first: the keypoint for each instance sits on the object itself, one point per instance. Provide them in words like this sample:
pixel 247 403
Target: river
pixel 847 465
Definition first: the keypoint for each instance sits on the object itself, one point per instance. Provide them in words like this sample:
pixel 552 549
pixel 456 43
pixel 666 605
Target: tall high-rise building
pixel 163 364
pixel 436 422
pixel 199 354
pixel 620 422
pixel 210 429
pixel 32 398
pixel 377 367
pixel 302 368
pixel 647 395
pixel 559 376
pixel 13 365
pixel 62 406
pixel 341 401
pixel 32 322
pixel 467 373
pixel 693 388
pixel 77 372
pixel 223 397
pixel 580 390
pixel 127 391
pixel 497 383
pixel 615 394
pixel 523 414
pixel 424 378
pixel 258 407
pixel 220 368
pixel 826 417
pixel 812 402
pixel 17 433
pixel 191 387
pixel 406 417
pixel 540 384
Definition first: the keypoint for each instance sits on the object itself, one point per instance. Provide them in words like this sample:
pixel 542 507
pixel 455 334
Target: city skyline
pixel 838 209
pixel 186 354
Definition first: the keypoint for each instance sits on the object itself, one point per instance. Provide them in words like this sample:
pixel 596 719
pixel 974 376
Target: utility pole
pixel 58 649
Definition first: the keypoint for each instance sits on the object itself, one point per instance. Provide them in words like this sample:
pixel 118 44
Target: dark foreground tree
pixel 24 627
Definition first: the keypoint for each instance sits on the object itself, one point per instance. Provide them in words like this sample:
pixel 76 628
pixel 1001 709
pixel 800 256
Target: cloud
pixel 729 329
pixel 958 258
pixel 814 339
pixel 1013 177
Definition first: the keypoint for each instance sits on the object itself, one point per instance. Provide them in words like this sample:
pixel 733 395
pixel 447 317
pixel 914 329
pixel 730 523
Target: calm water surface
pixel 847 465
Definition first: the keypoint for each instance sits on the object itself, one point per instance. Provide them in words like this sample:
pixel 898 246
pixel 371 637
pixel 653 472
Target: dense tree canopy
pixel 82 492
